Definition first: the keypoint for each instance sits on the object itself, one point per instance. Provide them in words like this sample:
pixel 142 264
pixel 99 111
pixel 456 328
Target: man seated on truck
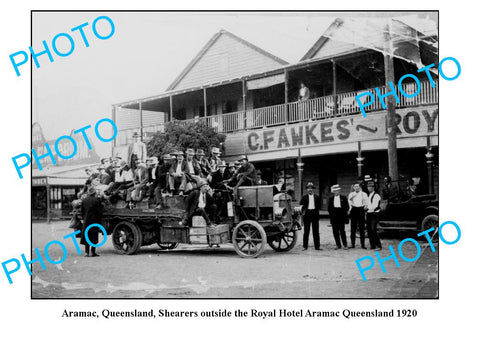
pixel 177 179
pixel 123 180
pixel 200 202
pixel 244 175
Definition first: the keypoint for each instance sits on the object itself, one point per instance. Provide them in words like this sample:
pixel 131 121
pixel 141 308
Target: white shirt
pixel 154 169
pixel 373 202
pixel 127 175
pixel 303 91
pixel 311 202
pixel 201 200
pixel 336 201
pixel 190 167
pixel 358 199
pixel 179 168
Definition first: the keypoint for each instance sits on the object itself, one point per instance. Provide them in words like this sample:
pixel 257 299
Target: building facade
pixel 256 99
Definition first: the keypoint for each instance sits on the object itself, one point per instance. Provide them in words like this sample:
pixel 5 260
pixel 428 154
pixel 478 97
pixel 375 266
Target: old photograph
pixel 226 155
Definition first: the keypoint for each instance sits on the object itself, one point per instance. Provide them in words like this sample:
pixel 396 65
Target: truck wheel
pixel 431 221
pixel 283 241
pixel 167 245
pixel 249 239
pixel 127 238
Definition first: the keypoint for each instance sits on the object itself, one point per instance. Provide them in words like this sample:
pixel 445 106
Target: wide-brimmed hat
pixel 201 182
pixel 310 185
pixel 367 178
pixel 336 188
pixel 135 134
pixel 259 172
pixel 173 152
pixel 180 153
pixel 190 152
pixel 216 150
pixel 153 159
pixel 242 157
pixel 222 164
pixel 231 164
pixel 200 152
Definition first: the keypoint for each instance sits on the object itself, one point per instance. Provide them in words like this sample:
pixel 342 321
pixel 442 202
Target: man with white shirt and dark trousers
pixel 338 211
pixel 373 204
pixel 358 205
pixel 310 210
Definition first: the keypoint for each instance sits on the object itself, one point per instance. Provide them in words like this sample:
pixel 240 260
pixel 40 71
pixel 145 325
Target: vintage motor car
pixel 256 218
pixel 417 213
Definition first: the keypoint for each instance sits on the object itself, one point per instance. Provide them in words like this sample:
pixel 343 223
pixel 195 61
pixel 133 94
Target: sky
pixel 146 53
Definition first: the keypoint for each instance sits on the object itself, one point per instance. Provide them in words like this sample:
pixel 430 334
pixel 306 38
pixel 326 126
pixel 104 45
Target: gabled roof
pixel 353 34
pixel 274 60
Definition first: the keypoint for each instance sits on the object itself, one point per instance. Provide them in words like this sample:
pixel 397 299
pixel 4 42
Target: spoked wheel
pixel 431 221
pixel 249 239
pixel 167 245
pixel 127 238
pixel 283 241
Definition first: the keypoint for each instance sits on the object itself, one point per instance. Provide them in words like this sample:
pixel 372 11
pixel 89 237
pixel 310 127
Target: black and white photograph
pixel 236 154
pixel 231 170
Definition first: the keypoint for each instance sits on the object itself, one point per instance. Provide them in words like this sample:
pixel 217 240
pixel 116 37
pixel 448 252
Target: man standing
pixel 358 204
pixel 200 202
pixel 310 204
pixel 338 211
pixel 91 213
pixel 373 204
pixel 136 150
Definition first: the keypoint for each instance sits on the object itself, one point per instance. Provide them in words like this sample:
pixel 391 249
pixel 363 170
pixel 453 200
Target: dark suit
pixel 338 218
pixel 208 213
pixel 245 175
pixel 91 213
pixel 310 218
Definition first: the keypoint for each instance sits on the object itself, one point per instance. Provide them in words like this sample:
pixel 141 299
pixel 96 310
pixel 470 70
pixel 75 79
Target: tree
pixel 180 135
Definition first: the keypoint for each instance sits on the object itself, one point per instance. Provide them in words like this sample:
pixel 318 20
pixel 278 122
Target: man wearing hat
pixel 245 175
pixel 152 171
pixel 310 204
pixel 357 200
pixel 217 177
pixel 177 178
pixel 91 213
pixel 390 191
pixel 136 150
pixel 259 180
pixel 140 180
pixel 215 160
pixel 338 211
pixel 373 205
pixel 192 168
pixel 200 203
pixel 205 167
pixel 123 179
pixel 105 178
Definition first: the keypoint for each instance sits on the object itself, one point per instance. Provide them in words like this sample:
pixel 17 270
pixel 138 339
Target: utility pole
pixel 390 77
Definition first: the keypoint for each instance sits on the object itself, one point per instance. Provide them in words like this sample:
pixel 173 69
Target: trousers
pixel 357 221
pixel 311 220
pixel 372 221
